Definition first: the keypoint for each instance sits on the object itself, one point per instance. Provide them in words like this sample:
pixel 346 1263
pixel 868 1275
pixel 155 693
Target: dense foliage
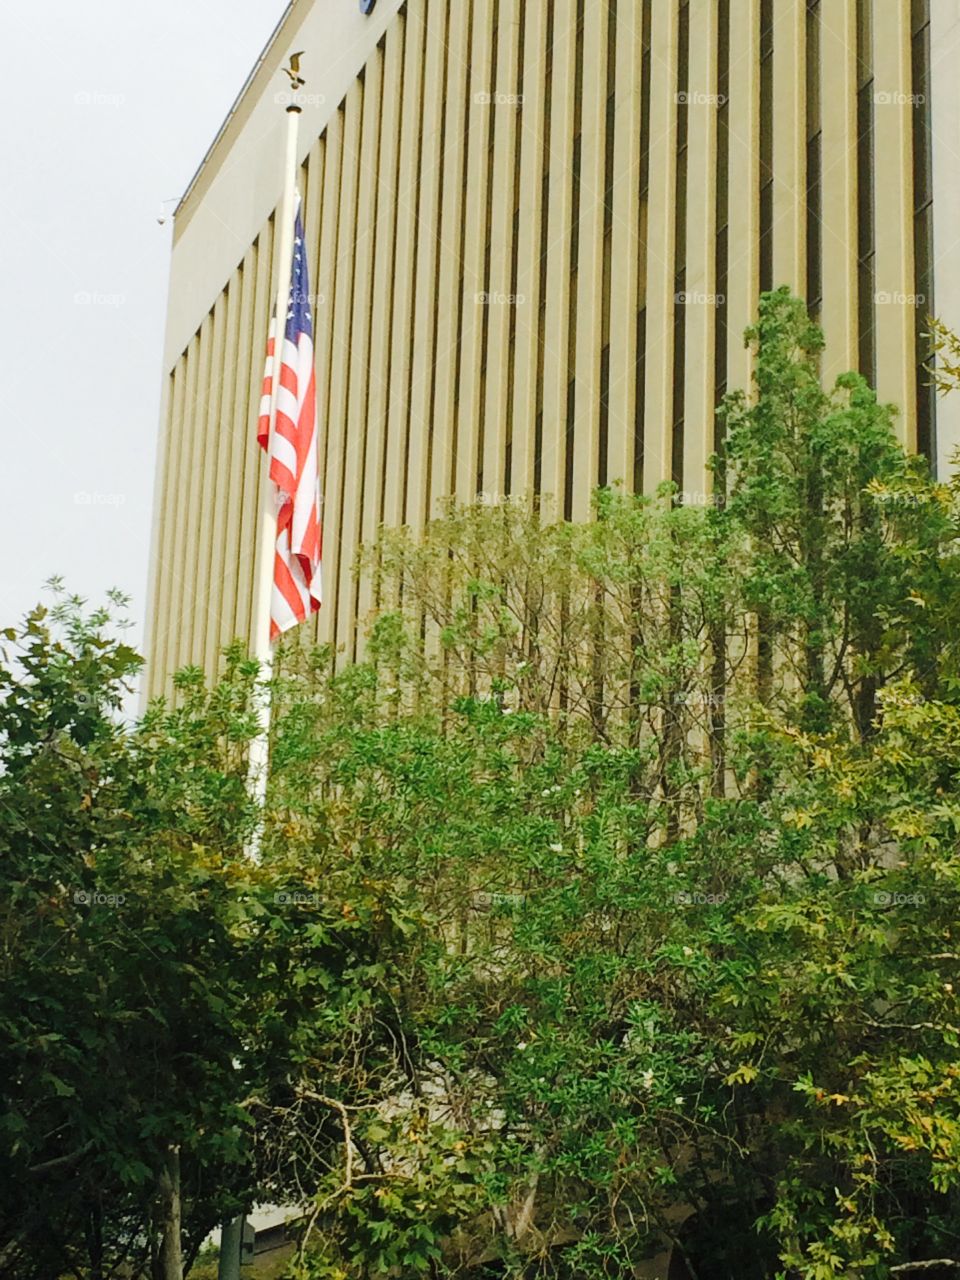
pixel 608 906
pixel 145 983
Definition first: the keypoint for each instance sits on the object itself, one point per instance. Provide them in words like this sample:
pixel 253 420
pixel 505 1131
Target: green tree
pixel 143 962
pixel 609 903
pixel 650 1003
pixel 840 523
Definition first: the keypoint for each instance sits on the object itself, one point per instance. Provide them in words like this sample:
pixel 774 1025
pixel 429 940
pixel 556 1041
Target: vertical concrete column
pixel 701 248
pixel 661 241
pixel 838 98
pixel 895 318
pixel 789 145
pixel 743 214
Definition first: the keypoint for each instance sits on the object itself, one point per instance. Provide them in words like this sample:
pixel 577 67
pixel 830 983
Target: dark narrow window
pixel 603 442
pixel 568 473
pixel 488 222
pixel 458 347
pixel 866 239
pixel 609 178
pixel 766 145
pixel 923 226
pixel 644 193
pixel 574 266
pixel 722 206
pixel 814 163
pixel 680 244
pixel 444 480
pixel 521 90
pixel 641 380
pixel 544 231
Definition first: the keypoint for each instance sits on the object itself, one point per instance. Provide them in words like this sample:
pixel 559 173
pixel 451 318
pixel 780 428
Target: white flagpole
pixel 263 584
pixel 232 1232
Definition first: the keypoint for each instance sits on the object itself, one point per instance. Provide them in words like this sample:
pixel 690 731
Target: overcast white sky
pixel 107 107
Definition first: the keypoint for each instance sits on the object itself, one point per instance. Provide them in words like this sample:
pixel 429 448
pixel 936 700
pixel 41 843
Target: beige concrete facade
pixel 536 230
pixel 944 89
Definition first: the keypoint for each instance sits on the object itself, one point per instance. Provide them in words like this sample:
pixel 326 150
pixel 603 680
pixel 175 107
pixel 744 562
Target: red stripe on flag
pixel 299 545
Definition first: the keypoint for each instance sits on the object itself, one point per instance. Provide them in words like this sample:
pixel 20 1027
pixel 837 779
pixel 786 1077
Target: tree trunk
pixel 672 739
pixel 717 636
pixel 762 779
pixel 94 1227
pixel 865 707
pixel 171 1259
pixel 717 712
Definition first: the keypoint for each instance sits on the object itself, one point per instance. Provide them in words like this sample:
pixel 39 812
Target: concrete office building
pixel 536 231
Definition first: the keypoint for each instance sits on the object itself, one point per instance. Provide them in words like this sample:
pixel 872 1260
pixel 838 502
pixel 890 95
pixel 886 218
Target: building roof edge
pixel 272 39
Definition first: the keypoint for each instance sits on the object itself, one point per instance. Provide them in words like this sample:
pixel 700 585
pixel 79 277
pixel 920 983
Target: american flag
pixel 293 454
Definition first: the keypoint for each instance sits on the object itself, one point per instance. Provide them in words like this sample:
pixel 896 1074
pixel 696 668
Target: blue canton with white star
pixel 299 315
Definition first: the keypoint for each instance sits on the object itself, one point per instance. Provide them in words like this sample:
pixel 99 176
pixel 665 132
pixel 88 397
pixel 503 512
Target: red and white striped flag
pixel 294 467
